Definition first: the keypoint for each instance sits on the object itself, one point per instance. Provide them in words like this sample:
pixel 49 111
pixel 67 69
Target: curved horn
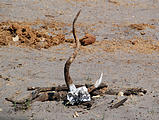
pixel 97 84
pixel 67 76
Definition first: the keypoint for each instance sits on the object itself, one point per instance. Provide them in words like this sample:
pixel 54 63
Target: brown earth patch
pixel 40 34
pixel 37 35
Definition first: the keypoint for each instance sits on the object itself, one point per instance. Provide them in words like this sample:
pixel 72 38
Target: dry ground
pixel 126 51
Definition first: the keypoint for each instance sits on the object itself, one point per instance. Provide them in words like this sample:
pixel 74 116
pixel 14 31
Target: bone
pixel 98 82
pixel 68 78
pixel 72 87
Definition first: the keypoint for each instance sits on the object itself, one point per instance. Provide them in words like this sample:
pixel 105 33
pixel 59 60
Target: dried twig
pixel 119 103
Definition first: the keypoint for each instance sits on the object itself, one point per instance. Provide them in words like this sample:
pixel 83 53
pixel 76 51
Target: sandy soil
pixel 126 51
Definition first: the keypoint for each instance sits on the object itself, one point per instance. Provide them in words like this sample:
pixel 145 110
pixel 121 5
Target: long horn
pixel 68 78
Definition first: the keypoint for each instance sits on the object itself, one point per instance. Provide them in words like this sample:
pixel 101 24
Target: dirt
pixel 35 35
pixel 36 40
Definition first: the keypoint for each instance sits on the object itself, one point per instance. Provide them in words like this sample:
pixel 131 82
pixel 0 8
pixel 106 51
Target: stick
pixel 30 98
pixel 119 103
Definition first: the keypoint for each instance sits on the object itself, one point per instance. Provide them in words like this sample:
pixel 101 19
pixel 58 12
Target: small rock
pixel 76 115
pixel 97 96
pixel 42 40
pixel 7 79
pixel 120 94
pixel 142 33
pixel 87 39
pixel 16 38
pixel 131 96
pixel 141 94
pixel 1 109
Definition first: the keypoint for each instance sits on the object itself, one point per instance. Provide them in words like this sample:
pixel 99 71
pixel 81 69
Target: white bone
pixel 81 94
pixel 98 82
pixel 72 87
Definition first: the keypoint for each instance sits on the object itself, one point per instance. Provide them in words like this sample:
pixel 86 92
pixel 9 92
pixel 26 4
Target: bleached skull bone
pixel 81 94
pixel 78 95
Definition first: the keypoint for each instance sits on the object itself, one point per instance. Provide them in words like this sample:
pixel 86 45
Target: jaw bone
pixel 81 94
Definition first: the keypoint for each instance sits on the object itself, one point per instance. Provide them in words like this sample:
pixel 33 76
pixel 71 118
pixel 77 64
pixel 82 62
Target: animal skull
pixel 81 94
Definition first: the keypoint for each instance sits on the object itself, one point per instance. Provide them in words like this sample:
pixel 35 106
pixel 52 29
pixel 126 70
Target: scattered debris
pixel 59 93
pixel 134 91
pixel 127 91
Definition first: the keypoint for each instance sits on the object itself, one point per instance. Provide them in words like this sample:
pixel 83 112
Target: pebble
pixel 88 39
pixel 120 94
pixel 76 115
pixel 16 38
